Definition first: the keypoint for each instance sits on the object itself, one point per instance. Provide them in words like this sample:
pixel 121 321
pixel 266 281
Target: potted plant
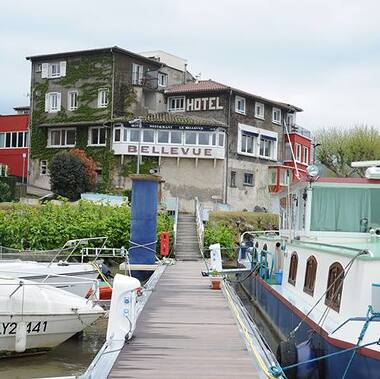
pixel 215 280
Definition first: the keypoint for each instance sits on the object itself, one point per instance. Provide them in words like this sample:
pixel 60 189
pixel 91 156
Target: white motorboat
pixel 77 278
pixel 37 317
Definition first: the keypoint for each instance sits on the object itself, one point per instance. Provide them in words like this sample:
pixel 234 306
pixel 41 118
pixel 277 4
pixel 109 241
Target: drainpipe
pixel 112 96
pixel 225 200
pixel 30 123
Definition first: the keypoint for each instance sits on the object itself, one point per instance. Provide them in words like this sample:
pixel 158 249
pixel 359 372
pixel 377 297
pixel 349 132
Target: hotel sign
pixel 169 150
pixel 203 104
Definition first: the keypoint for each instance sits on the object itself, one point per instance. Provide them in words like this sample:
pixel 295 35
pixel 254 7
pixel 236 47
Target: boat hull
pixel 285 317
pixel 43 332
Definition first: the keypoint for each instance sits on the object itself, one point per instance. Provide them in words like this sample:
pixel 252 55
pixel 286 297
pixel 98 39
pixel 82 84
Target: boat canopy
pixel 345 208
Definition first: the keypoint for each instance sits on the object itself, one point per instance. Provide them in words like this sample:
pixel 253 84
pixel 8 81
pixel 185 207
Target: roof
pixel 14 122
pixel 166 118
pixel 95 51
pixel 213 86
pixel 25 107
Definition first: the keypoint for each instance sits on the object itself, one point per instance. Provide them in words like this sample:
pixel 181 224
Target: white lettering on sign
pixel 173 151
pixel 203 104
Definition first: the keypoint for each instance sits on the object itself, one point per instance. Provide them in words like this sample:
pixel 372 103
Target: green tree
pixel 5 192
pixel 339 147
pixel 68 176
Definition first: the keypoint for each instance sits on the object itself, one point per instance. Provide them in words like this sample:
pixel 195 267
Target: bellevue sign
pixel 169 151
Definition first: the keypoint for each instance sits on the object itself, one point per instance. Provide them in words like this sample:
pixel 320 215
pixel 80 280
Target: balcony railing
pixel 300 130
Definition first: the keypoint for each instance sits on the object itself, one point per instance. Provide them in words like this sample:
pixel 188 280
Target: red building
pixel 297 158
pixel 14 142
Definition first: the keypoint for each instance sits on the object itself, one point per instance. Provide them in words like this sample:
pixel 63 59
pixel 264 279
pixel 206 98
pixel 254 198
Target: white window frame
pixel 49 102
pixel 121 129
pixel 24 143
pixel 47 70
pixel 298 152
pixel 164 82
pixel 272 146
pixel 273 136
pixel 148 130
pixel 137 74
pixel 57 74
pixel 168 134
pixel 274 120
pixel 196 138
pixel 239 99
pixel 91 130
pixel 177 99
pixel 70 106
pixel 103 101
pixel 291 119
pixel 44 167
pixel 61 130
pixel 305 154
pixel 250 176
pixel 248 138
pixel 209 143
pixel 262 107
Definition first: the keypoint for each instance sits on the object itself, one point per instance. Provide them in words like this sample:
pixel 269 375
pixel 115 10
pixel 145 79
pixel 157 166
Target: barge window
pixel 334 286
pixel 293 268
pixel 311 272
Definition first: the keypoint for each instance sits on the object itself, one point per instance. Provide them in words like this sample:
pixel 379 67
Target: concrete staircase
pixel 187 248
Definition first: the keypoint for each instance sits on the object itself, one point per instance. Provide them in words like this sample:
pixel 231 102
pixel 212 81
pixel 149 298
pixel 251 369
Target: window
pixel 204 138
pixel 259 110
pixel 43 167
pixel 137 74
pixel 163 136
pixel 293 268
pixel 291 119
pixel 61 137
pixel 52 102
pixel 221 140
pixel 288 152
pixel 13 139
pixel 103 98
pixel 233 179
pixel 72 100
pixel 134 135
pixel 248 179
pixel 97 136
pixel 240 104
pixel 162 79
pixel 285 177
pixel 117 134
pixel 266 147
pixel 276 116
pixel 298 152
pixel 176 137
pixel 53 70
pixel 148 136
pixel 248 143
pixel 310 275
pixel 334 286
pixel 176 104
pixel 190 138
pixel 305 156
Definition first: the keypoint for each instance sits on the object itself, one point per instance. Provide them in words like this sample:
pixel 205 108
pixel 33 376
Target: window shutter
pixel 46 102
pixel 58 101
pixel 63 68
pixel 99 98
pixel 45 70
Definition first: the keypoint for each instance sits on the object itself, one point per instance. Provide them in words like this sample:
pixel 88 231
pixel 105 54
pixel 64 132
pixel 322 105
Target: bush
pixel 50 226
pixel 90 167
pixel 226 227
pixel 5 192
pixel 68 177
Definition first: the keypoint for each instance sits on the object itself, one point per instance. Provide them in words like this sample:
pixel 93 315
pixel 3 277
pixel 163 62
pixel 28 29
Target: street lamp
pixel 23 166
pixel 139 122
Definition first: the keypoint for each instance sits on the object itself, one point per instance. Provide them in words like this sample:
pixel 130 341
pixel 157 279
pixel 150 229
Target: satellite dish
pixel 312 172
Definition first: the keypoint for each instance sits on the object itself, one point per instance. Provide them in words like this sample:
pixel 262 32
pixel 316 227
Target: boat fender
pixel 20 341
pixel 286 356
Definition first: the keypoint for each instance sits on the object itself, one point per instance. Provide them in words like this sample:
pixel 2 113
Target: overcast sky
pixel 322 55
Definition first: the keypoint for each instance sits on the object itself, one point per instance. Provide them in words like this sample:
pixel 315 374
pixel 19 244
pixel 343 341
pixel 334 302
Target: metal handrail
pixel 200 226
pixel 175 225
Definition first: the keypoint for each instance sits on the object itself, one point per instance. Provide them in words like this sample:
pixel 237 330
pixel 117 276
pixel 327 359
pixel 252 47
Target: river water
pixel 70 358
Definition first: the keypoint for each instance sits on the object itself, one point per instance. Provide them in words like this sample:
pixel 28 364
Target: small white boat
pixel 37 317
pixel 77 278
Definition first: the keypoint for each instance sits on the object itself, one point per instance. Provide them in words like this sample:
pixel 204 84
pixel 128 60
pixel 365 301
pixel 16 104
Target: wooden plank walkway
pixel 185 331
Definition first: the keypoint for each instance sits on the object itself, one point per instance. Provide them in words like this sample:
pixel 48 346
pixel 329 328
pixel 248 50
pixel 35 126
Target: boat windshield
pixel 345 209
